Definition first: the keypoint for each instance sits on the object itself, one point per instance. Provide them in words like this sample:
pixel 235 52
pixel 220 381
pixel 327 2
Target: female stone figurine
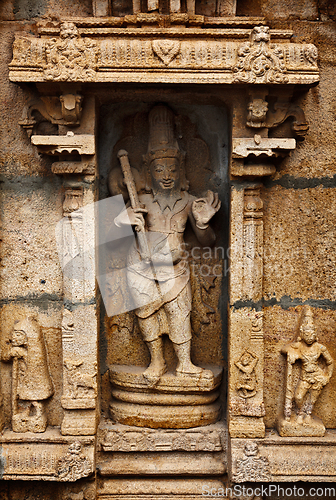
pixel 31 382
pixel 163 300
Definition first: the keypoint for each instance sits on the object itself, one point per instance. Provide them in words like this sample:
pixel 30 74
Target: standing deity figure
pixel 31 381
pixel 316 368
pixel 159 282
pixel 246 384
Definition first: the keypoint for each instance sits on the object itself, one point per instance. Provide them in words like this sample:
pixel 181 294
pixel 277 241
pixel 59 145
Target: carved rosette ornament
pixel 259 61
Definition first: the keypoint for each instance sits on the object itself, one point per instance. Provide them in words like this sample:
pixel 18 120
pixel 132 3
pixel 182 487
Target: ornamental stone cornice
pixel 175 54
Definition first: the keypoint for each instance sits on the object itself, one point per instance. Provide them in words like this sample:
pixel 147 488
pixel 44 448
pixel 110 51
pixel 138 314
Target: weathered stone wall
pixel 299 218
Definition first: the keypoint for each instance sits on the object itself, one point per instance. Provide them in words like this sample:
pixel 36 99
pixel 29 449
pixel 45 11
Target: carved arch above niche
pixel 151 49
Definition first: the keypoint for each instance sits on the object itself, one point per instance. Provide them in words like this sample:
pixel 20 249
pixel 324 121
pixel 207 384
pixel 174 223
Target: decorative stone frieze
pixel 46 456
pixel 127 55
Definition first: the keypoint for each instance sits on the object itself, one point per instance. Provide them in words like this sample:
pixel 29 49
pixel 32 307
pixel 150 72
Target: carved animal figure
pixel 77 379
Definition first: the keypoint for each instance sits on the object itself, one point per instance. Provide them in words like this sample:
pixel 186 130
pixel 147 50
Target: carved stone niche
pixel 173 415
pixel 180 314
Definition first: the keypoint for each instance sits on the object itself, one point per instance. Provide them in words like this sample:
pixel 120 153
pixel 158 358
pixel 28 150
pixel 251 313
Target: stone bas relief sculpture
pixel 31 381
pixel 316 368
pixel 247 381
pixel 159 282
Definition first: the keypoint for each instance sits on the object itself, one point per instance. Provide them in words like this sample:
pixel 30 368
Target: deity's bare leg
pixel 184 365
pixel 178 315
pixel 309 404
pixel 150 329
pixel 300 395
pixel 38 405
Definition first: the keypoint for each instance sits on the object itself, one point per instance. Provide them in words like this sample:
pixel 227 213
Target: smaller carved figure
pixel 31 381
pixel 247 381
pixel 257 111
pixel 315 371
pixel 78 380
pixel 74 465
pixel 252 467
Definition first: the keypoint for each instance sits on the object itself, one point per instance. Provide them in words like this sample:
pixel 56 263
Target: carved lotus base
pixel 292 428
pixel 174 402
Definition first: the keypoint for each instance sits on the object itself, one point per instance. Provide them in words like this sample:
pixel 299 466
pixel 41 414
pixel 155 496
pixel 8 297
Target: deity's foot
pixel 191 370
pixel 308 419
pixel 299 419
pixel 154 372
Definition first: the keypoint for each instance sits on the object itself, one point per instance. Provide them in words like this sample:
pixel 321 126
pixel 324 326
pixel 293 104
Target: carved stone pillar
pixel 79 326
pixel 246 407
pixel 80 316
pixel 75 235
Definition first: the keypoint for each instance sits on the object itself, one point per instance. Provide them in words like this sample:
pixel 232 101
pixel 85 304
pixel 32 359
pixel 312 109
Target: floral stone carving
pixel 252 467
pixel 74 465
pixel 70 58
pixel 259 61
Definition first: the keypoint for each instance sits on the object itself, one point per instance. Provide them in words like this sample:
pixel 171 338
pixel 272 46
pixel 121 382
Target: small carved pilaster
pixel 79 325
pixel 246 407
pixel 253 245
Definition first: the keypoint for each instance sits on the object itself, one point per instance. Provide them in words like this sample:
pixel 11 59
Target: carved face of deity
pixel 75 448
pixel 246 359
pixel 19 338
pixel 308 333
pixel 165 174
pixel 251 449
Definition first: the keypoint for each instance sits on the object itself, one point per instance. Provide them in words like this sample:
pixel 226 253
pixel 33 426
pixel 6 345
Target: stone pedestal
pixel 176 402
pixel 309 427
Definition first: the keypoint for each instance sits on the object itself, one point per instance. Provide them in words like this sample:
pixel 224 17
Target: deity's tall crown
pixel 162 142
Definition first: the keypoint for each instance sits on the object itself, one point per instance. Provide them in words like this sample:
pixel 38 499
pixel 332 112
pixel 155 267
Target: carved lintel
pixel 121 54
